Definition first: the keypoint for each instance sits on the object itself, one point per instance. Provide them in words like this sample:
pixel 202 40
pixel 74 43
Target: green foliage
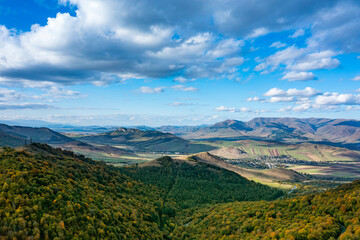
pixel 11 141
pixel 191 184
pixel 330 215
pixel 47 193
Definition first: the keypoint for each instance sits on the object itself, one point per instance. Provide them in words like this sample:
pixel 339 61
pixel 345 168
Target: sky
pixel 180 62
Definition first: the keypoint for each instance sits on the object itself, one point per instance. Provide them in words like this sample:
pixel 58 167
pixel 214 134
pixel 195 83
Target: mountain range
pixel 342 131
pixel 149 140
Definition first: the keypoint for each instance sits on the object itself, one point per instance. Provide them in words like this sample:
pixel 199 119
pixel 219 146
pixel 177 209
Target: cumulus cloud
pixel 253 99
pixel 299 61
pixel 183 88
pixel 151 90
pixel 9 95
pixel 232 109
pixel 315 61
pixel 281 99
pixel 278 44
pixel 258 32
pixel 298 76
pixel 338 99
pixel 337 27
pixel 298 96
pixel 357 78
pixel 183 80
pixel 108 40
pixel 298 33
pixel 307 92
pixel 324 101
pixel 275 92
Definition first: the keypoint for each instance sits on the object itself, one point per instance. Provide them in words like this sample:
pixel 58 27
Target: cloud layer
pixel 110 40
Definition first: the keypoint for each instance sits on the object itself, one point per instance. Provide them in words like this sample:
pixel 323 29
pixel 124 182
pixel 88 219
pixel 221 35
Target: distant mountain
pixel 42 135
pixel 179 130
pixel 15 136
pixel 87 149
pixel 145 141
pixel 284 129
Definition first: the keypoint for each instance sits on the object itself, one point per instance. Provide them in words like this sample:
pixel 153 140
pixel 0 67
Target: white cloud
pixel 299 61
pixel 337 27
pixel 183 80
pixel 298 33
pixel 307 92
pixel 9 95
pixel 281 99
pixel 177 104
pixel 298 76
pixel 357 78
pixel 109 40
pixel 258 32
pixel 337 99
pixel 151 90
pixel 18 106
pixel 292 92
pixel 275 92
pixel 232 109
pixel 315 61
pixel 184 88
pixel 278 44
pixel 253 99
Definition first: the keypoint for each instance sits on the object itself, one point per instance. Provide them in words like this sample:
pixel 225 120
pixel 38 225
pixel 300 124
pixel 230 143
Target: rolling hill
pixel 11 141
pixel 330 215
pixel 48 193
pixel 267 176
pixel 302 151
pixel 191 183
pixel 42 135
pixel 145 141
pixel 283 129
pixel 15 136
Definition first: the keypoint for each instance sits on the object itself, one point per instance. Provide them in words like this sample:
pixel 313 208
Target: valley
pixel 182 186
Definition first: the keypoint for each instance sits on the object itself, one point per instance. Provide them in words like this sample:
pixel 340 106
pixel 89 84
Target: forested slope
pixel 191 183
pixel 47 193
pixel 333 214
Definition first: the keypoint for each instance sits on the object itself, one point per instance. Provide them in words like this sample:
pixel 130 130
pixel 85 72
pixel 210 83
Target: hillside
pixel 11 141
pixel 145 141
pixel 52 194
pixel 333 214
pixel 191 183
pixel 49 193
pixel 267 176
pixel 42 135
pixel 15 136
pixel 302 151
pixel 284 129
pixel 77 146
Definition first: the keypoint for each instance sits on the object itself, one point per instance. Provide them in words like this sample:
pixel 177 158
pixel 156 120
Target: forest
pixel 48 193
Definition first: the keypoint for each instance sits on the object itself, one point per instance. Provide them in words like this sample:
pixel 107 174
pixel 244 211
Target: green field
pixel 350 170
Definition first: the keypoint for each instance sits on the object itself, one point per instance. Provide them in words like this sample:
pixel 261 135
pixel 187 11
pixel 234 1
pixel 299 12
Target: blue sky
pixel 184 62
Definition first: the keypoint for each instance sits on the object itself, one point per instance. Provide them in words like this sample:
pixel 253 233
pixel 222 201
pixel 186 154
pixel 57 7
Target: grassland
pixel 305 151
